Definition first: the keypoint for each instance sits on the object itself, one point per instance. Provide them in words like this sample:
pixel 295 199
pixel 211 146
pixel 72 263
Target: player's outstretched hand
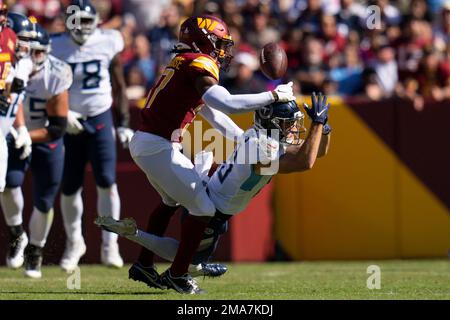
pixel 284 93
pixel 74 125
pixel 125 135
pixel 318 112
pixel 22 139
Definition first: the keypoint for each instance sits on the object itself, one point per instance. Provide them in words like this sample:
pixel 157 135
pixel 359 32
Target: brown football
pixel 273 61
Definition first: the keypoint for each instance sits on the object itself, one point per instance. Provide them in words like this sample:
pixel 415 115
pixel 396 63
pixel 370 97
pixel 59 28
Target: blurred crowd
pixel 373 48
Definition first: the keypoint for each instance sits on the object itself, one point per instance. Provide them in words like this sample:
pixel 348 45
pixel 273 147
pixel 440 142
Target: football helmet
pixel 23 28
pixel 40 45
pixel 3 13
pixel 81 20
pixel 285 118
pixel 208 35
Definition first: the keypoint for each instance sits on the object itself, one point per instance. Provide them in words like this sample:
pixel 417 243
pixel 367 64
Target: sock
pixel 157 225
pixel 15 231
pixel 108 205
pixel 192 231
pixel 12 205
pixel 39 226
pixel 164 247
pixel 72 210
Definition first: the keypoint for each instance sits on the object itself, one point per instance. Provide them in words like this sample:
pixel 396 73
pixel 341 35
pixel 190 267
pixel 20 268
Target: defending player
pixel 271 146
pixel 46 107
pixel 93 54
pixel 11 113
pixel 189 81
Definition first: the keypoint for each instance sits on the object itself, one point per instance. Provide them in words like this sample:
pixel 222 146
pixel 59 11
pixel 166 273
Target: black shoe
pixel 148 275
pixel 33 261
pixel 16 247
pixel 185 284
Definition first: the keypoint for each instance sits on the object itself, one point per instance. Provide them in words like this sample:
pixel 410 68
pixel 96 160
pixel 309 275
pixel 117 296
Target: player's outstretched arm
pixel 301 158
pixel 219 98
pixel 324 141
pixel 222 123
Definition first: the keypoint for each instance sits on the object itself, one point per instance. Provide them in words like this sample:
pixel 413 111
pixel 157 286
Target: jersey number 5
pixel 161 84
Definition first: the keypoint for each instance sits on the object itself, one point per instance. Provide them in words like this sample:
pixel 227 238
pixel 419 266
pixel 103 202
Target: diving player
pixel 273 145
pixel 93 54
pixel 189 81
pixel 46 107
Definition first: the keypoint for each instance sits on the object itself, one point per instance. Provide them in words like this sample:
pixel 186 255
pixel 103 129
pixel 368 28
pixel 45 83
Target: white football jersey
pixel 234 184
pixel 90 93
pixel 21 70
pixel 51 80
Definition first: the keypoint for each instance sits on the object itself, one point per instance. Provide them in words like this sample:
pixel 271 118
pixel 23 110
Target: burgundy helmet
pixel 208 35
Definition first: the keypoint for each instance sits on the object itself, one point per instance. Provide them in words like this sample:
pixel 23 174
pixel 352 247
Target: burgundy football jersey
pixel 7 49
pixel 173 102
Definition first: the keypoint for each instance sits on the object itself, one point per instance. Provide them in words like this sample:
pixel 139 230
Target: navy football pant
pixel 46 163
pixel 96 145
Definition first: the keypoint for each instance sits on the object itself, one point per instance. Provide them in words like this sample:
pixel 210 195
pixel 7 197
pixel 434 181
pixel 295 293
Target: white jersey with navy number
pixel 234 184
pixel 51 80
pixel 90 93
pixel 21 70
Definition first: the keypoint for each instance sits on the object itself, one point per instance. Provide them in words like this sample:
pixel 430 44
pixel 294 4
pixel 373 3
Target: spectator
pixel 243 79
pixel 165 36
pixel 261 32
pixel 309 19
pixel 143 59
pixel 349 76
pixel 313 71
pixel 442 31
pixel 434 76
pixel 334 43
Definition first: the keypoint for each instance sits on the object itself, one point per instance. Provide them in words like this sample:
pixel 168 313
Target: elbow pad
pixel 17 86
pixel 56 127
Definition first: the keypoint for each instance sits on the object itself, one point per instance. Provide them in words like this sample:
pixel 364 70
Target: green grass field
pixel 407 279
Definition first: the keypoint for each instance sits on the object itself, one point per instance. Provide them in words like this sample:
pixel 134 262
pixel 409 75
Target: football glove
pixel 318 112
pixel 74 125
pixel 284 93
pixel 22 140
pixel 124 134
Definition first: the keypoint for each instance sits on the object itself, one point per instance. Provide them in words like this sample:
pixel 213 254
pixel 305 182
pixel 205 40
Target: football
pixel 273 61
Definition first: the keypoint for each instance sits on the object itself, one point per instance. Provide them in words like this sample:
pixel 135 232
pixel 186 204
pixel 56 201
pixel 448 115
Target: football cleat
pixel 124 227
pixel 33 262
pixel 72 255
pixel 147 275
pixel 204 269
pixel 110 255
pixel 16 247
pixel 184 284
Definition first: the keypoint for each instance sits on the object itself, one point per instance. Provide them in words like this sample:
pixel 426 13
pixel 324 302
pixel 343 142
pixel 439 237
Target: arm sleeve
pixel 219 98
pixel 222 123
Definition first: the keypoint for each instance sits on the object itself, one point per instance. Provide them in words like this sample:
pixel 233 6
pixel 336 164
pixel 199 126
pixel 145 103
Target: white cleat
pixel 110 255
pixel 72 255
pixel 15 257
pixel 124 227
pixel 34 274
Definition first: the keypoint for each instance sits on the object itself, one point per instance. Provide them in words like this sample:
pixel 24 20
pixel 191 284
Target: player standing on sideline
pixel 274 139
pixel 93 54
pixel 46 106
pixel 189 81
pixel 12 113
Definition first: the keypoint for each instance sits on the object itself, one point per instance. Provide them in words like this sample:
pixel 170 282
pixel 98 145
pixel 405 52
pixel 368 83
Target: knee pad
pixel 44 204
pixel 14 179
pixel 105 179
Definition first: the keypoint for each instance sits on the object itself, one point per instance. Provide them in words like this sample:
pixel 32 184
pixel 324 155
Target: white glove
pixel 22 140
pixel 73 124
pixel 284 92
pixel 125 135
